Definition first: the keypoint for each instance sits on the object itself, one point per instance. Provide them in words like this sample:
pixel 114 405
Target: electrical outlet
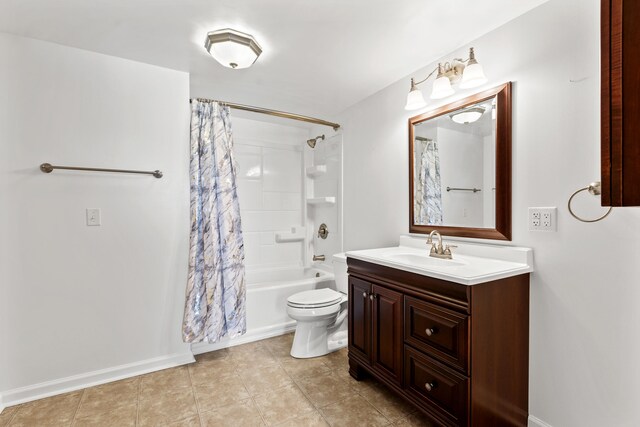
pixel 543 219
pixel 93 216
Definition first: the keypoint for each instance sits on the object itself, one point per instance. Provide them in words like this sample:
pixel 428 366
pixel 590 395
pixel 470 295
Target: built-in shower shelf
pixel 297 234
pixel 322 201
pixel 314 171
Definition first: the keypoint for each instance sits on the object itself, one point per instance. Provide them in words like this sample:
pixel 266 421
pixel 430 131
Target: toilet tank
pixel 340 273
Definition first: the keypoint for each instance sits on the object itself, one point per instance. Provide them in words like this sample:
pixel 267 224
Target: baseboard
pixel 537 422
pixel 90 379
pixel 1 403
pixel 250 336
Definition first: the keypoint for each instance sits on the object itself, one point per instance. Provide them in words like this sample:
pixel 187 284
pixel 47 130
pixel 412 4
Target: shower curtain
pixel 429 191
pixel 216 294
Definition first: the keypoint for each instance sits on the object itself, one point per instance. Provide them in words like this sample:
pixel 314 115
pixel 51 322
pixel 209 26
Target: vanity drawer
pixel 437 331
pixel 440 390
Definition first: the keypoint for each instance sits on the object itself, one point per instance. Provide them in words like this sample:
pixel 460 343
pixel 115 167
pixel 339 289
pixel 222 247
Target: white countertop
pixel 471 264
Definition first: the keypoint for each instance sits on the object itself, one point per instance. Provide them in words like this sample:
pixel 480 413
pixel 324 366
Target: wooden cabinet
pixel 376 327
pixel 620 103
pixel 458 353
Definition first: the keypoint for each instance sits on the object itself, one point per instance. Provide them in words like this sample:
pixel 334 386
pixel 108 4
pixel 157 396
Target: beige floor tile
pixel 7 414
pixel 52 411
pixel 220 393
pixel 187 422
pixel 213 355
pixel 209 371
pixel 165 380
pixel 350 381
pixel 164 407
pixel 108 397
pixel 414 420
pixel 338 359
pixel 262 379
pixel 250 355
pixel 325 389
pixel 280 347
pixel 353 411
pixel 282 404
pixel 386 402
pixel 310 419
pixel 302 368
pixel 243 414
pixel 124 416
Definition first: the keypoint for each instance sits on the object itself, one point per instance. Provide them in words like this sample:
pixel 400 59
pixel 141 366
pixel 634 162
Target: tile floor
pixel 255 384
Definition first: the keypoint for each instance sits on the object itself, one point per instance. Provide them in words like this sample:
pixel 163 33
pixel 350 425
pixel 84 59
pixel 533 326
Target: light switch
pixel 93 216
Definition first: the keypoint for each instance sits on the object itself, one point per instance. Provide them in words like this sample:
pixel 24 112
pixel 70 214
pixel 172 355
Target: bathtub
pixel 267 293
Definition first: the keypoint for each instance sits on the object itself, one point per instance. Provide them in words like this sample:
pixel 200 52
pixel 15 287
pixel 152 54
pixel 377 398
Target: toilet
pixel 321 316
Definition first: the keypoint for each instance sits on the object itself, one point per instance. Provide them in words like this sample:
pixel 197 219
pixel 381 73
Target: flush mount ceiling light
pixel 467 70
pixel 468 115
pixel 232 48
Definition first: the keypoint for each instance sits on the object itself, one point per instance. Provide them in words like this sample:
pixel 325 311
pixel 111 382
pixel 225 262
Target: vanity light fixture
pixel 232 48
pixel 467 70
pixel 468 115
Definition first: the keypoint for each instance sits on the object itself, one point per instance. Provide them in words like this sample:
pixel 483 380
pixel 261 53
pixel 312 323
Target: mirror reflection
pixel 454 171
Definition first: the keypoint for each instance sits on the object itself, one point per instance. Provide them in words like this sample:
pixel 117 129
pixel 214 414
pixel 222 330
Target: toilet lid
pixel 315 298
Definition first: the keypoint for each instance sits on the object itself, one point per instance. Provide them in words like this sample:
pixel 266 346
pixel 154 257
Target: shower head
pixel 312 142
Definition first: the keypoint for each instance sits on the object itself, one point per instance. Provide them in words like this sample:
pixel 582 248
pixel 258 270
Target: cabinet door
pixel 387 332
pixel 359 318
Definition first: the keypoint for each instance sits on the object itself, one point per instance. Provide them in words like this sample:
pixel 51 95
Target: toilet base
pixel 312 339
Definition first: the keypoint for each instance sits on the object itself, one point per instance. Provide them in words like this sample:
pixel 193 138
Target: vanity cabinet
pixel 457 352
pixel 620 103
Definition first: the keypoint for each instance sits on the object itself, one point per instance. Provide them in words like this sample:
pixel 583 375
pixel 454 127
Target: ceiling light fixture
pixel 468 115
pixel 232 48
pixel 467 70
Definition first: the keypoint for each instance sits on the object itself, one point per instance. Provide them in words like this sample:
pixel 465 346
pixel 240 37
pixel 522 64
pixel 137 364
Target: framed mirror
pixel 460 167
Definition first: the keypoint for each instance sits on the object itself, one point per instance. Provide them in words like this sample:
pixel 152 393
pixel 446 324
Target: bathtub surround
pixel 84 305
pixel 216 292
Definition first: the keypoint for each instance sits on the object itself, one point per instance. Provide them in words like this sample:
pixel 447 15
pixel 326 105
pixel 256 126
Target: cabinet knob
pixel 364 295
pixel 430 331
pixel 372 296
pixel 430 386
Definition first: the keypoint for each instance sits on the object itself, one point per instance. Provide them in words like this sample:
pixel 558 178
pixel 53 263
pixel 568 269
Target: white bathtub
pixel 267 293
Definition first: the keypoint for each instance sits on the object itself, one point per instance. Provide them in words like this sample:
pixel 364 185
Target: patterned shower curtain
pixel 216 294
pixel 429 191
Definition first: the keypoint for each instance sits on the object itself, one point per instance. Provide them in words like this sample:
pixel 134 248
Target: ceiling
pixel 319 58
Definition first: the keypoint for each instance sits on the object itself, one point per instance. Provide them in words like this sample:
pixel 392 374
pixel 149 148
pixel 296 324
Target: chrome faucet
pixel 437 250
pixel 318 258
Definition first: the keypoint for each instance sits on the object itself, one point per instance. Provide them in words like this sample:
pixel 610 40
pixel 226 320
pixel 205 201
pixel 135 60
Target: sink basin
pixel 423 260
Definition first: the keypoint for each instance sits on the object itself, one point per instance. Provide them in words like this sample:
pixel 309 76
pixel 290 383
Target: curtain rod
pixel 276 113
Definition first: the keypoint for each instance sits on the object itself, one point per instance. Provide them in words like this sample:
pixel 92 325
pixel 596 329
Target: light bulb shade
pixel 232 48
pixel 473 76
pixel 469 115
pixel 415 100
pixel 441 88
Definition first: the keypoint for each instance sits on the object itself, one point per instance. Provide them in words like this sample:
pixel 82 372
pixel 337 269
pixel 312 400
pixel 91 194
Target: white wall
pixel 585 298
pixel 77 299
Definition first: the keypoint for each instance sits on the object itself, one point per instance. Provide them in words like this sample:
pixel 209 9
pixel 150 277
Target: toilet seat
pixel 316 298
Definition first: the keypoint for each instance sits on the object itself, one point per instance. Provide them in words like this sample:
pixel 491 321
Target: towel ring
pixel 593 189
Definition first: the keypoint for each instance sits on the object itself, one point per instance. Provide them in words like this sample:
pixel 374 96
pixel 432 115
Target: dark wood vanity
pixel 459 353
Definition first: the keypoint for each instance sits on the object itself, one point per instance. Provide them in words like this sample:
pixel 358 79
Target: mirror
pixel 460 167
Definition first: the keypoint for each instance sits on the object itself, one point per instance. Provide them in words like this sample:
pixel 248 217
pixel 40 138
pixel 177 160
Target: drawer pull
pixel 372 296
pixel 364 295
pixel 431 386
pixel 430 331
